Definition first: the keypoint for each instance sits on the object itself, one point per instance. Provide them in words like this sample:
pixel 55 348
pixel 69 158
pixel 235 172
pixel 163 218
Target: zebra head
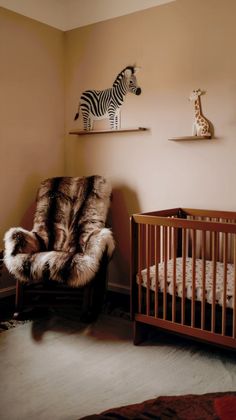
pixel 132 81
pixel 127 82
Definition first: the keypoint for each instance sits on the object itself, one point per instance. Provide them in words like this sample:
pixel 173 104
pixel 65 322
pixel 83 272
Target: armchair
pixel 69 247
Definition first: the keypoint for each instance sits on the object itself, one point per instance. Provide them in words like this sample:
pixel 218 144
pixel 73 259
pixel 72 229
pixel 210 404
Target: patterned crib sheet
pixel 188 280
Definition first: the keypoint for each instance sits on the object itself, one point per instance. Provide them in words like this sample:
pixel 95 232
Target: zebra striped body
pixel 100 104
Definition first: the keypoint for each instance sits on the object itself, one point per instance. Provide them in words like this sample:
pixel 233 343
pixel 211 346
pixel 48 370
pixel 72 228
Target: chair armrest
pixel 99 242
pixel 86 264
pixel 20 241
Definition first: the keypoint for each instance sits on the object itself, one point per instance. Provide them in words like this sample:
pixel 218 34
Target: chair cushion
pixel 69 209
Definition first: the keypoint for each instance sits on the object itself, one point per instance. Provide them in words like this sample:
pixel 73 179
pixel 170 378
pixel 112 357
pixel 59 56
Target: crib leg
pixel 140 332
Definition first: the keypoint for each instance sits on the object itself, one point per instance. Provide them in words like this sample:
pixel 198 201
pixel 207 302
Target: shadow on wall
pixel 124 204
pixel 30 189
pixel 28 217
pixel 23 209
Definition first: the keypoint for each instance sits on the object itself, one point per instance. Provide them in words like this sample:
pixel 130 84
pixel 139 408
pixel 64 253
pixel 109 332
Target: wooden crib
pixel 183 274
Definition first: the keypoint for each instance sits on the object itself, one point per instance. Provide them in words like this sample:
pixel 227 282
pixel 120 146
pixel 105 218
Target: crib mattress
pixel 188 280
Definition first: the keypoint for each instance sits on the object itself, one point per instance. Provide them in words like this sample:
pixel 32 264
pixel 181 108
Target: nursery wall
pixel 31 111
pixel 180 46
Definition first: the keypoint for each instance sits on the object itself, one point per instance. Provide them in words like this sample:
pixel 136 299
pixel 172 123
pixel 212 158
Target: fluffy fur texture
pixel 69 236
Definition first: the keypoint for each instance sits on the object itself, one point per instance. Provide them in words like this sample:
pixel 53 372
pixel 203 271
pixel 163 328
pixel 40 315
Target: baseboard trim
pixel 118 288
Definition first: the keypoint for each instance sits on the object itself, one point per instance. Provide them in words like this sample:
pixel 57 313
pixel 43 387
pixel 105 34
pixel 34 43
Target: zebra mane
pixel 121 74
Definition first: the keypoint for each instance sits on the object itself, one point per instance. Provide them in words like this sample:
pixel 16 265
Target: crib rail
pixel 173 249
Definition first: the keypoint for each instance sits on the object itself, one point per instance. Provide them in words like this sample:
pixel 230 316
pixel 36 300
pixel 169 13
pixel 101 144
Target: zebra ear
pixel 136 69
pixel 128 73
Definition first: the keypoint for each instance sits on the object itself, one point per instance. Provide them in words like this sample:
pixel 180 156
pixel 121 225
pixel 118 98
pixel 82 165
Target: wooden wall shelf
pixel 188 138
pixel 125 130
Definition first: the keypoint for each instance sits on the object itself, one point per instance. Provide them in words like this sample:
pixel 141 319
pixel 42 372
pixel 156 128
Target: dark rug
pixel 8 322
pixel 115 305
pixel 214 406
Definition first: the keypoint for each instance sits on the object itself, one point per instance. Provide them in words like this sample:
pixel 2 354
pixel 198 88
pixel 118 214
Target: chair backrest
pixel 69 210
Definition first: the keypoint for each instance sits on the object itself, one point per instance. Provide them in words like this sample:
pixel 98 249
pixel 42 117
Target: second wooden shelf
pixel 186 138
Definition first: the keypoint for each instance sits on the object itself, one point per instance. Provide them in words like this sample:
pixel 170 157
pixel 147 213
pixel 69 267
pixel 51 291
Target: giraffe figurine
pixel 201 126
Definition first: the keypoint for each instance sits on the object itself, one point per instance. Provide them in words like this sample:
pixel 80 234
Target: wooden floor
pixel 58 369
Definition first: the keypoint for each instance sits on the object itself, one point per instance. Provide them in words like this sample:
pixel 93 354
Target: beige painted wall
pixel 180 46
pixel 31 111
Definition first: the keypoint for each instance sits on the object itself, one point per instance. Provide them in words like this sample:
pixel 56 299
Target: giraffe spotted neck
pixel 197 107
pixel 200 125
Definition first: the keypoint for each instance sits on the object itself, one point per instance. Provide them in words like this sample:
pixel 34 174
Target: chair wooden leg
pixel 100 288
pixel 19 299
pixel 94 295
pixel 86 315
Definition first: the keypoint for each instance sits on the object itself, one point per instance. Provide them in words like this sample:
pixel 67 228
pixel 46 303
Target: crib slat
pixel 139 268
pixel 157 260
pixel 210 244
pixel 225 254
pixel 174 275
pixel 217 244
pixel 231 244
pixel 170 242
pixel 193 278
pixel 184 249
pixel 221 244
pixel 203 302
pixel 213 305
pixel 234 298
pixel 148 269
pixel 163 244
pixel 165 249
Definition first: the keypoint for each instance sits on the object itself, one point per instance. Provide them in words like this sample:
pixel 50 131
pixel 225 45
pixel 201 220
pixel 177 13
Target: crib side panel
pixel 183 275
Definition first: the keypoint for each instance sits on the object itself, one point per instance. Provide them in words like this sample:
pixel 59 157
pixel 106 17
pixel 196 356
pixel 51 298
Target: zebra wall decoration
pixel 100 104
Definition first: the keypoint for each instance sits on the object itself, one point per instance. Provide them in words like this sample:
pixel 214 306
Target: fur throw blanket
pixel 69 237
